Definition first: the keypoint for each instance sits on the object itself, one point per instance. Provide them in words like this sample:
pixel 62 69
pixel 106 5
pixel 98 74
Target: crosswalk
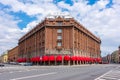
pixel 111 75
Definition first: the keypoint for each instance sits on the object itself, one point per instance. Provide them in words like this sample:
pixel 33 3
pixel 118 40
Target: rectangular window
pixel 59 31
pixel 59 23
pixel 59 44
pixel 59 37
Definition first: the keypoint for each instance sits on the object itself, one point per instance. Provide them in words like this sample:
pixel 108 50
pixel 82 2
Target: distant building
pixel 56 37
pixel 4 57
pixel 115 57
pixel 104 59
pixel 13 54
pixel 0 58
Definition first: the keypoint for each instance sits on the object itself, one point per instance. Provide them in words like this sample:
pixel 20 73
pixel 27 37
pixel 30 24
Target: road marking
pixel 110 78
pixel 11 72
pixel 24 70
pixel 112 74
pixel 19 71
pixel 26 77
pixel 103 75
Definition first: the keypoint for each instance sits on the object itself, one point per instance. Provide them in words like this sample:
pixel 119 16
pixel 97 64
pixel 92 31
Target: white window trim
pixel 59 31
pixel 59 44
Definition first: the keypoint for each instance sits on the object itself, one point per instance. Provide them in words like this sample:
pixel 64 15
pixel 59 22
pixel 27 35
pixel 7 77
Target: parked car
pixel 14 63
pixel 1 65
pixel 26 64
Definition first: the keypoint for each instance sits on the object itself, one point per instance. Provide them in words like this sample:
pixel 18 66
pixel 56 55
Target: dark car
pixel 1 65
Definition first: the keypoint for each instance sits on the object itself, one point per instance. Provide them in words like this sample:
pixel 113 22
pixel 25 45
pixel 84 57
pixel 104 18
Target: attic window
pixel 59 23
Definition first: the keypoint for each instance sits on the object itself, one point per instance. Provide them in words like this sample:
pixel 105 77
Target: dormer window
pixel 59 23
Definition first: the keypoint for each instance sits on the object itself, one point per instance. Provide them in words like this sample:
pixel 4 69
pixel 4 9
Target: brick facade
pixel 13 54
pixel 59 36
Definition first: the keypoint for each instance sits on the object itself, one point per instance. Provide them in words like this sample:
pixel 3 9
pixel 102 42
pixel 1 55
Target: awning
pixel 45 58
pixel 37 59
pixel 85 59
pixel 66 58
pixel 59 58
pixel 88 58
pixel 94 59
pixel 74 58
pixel 91 59
pixel 21 60
pixel 99 60
pixel 51 58
pixel 80 59
pixel 32 59
pixel 24 59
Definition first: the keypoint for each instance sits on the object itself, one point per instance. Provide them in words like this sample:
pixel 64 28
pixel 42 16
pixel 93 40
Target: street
pixel 77 72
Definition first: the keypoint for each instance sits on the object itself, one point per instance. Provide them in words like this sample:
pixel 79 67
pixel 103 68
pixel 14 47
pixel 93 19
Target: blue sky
pixel 25 19
pixel 99 16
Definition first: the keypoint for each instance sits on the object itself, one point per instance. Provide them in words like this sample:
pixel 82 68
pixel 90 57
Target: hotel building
pixel 57 37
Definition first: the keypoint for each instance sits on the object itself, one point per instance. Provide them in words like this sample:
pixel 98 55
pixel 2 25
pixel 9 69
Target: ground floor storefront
pixel 60 60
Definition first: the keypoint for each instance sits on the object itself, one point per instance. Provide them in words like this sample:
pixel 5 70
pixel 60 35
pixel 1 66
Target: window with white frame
pixel 59 31
pixel 59 37
pixel 59 44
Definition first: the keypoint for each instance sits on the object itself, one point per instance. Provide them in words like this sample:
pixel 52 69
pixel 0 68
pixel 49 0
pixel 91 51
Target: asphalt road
pixel 82 72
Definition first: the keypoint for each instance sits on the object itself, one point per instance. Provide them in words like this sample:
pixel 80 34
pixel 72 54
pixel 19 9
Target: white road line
pixel 110 78
pixel 26 77
pixel 103 75
pixel 108 74
pixel 19 71
pixel 22 71
pixel 11 72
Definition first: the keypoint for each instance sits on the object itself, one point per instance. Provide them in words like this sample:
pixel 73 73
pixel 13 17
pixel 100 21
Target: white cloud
pixel 100 20
pixel 9 32
pixel 29 26
pixel 31 7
